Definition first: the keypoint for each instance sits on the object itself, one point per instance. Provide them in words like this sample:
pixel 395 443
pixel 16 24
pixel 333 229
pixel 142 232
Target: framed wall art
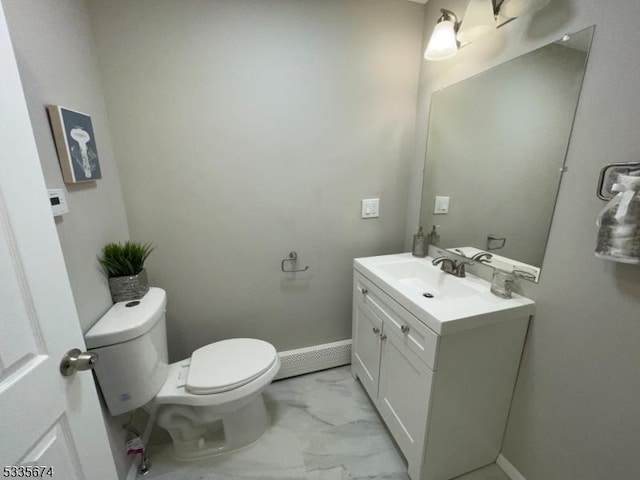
pixel 75 143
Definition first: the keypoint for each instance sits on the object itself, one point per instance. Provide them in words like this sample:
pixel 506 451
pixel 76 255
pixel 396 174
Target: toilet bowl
pixel 208 410
pixel 209 403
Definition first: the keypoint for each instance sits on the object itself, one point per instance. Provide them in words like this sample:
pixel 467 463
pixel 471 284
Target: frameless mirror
pixel 496 149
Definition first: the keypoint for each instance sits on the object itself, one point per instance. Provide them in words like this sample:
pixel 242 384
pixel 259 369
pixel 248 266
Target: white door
pixel 45 419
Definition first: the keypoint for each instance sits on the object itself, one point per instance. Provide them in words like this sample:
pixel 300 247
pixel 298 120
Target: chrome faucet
pixel 482 257
pixel 452 267
pixel 447 264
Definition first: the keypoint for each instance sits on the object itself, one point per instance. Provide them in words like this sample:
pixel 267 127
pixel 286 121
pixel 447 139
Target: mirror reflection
pixel 495 154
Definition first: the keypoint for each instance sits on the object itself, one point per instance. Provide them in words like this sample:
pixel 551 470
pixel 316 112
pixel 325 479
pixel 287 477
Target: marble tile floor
pixel 324 427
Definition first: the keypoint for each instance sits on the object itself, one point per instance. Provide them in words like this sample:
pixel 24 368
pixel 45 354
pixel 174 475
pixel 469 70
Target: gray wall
pixel 575 412
pixel 56 58
pixel 502 136
pixel 57 63
pixel 248 129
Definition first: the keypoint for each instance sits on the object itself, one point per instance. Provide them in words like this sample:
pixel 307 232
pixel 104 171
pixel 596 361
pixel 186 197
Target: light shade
pixel 478 21
pixel 517 8
pixel 443 43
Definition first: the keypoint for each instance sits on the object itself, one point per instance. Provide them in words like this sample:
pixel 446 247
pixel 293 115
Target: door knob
pixel 376 330
pixel 75 360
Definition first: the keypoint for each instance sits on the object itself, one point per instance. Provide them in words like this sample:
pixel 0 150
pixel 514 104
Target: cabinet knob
pixel 383 337
pixel 404 328
pixel 364 291
pixel 376 330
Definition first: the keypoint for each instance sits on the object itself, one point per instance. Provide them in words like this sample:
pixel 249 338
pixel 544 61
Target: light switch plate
pixel 370 207
pixel 441 205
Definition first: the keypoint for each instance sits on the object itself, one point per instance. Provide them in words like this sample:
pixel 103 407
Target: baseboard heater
pixel 314 358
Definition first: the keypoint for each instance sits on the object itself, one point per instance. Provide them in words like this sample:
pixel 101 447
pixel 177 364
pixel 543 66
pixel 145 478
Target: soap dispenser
pixel 420 245
pixel 433 237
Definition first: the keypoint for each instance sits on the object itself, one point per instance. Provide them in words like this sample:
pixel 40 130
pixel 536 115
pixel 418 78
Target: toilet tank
pixel 131 342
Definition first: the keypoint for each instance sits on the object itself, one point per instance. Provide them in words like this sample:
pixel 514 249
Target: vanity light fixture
pixel 443 43
pixel 479 20
pixel 517 8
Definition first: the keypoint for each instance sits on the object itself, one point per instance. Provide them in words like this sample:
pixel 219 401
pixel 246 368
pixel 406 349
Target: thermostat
pixel 58 202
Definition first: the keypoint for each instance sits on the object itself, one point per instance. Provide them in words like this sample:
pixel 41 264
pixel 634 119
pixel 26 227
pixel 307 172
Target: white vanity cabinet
pixel 395 376
pixel 444 398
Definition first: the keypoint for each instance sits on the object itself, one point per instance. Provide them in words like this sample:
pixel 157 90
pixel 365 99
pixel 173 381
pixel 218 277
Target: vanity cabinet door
pixel 403 398
pixel 367 328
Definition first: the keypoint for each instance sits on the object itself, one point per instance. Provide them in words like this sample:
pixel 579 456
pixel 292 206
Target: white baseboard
pixel 135 461
pixel 509 469
pixel 313 359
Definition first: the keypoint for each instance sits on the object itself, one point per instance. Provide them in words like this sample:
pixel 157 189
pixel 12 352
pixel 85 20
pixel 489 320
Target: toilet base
pixel 199 432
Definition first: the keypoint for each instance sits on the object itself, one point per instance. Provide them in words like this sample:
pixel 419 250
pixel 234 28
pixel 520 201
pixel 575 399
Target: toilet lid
pixel 228 364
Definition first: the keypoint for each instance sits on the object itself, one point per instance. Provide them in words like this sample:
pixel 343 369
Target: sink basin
pixel 443 302
pixel 425 278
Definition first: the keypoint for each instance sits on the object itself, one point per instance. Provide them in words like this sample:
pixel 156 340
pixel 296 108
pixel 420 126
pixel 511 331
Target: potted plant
pixel 124 265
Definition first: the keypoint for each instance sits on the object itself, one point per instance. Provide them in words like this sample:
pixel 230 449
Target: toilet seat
pixel 228 364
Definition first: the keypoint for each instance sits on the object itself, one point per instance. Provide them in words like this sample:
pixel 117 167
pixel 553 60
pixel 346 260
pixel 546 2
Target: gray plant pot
pixel 129 288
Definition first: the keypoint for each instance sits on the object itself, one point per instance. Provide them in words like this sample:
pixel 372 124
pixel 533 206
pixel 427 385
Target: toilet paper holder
pixel 293 258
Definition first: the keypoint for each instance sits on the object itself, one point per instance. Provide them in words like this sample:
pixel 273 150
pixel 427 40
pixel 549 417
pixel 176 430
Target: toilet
pixel 209 403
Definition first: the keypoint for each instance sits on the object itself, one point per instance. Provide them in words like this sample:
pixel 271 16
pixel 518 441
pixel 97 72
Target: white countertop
pixel 458 303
